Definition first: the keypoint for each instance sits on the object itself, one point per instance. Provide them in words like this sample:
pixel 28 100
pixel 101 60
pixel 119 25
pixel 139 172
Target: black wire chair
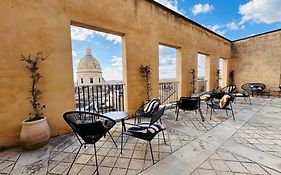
pixel 88 128
pixel 225 105
pixel 228 89
pixel 142 112
pixel 246 93
pixel 148 130
pixel 189 104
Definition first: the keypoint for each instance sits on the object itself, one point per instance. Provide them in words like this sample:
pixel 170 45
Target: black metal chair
pixel 223 104
pixel 88 128
pixel 257 88
pixel 189 104
pixel 229 89
pixel 148 130
pixel 246 93
pixel 147 109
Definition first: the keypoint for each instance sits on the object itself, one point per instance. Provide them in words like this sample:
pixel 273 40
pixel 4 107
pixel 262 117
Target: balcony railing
pixel 100 98
pixel 168 91
pixel 201 86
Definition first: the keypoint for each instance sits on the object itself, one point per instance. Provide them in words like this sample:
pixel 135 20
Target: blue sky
pixel 232 19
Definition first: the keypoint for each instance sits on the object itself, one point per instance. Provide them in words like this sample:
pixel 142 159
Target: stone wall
pixel 40 25
pixel 257 59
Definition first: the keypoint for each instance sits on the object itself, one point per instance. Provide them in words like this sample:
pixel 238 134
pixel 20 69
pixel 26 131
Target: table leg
pixel 123 124
pixel 123 129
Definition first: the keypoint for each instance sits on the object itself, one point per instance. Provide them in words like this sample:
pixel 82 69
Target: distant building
pixel 89 71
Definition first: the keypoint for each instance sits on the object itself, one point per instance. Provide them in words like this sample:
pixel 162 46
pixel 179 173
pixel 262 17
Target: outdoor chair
pixel 189 104
pixel 148 130
pixel 257 88
pixel 229 89
pixel 206 96
pixel 223 104
pixel 211 97
pixel 88 128
pixel 275 91
pixel 245 93
pixel 146 110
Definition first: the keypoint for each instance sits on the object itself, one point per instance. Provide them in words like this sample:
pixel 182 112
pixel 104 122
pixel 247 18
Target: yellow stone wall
pixel 257 59
pixel 44 25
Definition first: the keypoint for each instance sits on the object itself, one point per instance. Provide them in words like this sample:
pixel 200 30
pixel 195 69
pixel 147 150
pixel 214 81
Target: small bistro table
pixel 119 116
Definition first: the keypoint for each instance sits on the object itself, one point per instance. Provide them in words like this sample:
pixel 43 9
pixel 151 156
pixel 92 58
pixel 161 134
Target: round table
pixel 118 116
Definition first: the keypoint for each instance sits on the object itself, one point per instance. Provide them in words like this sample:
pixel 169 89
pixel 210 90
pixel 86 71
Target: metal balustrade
pixel 100 98
pixel 168 91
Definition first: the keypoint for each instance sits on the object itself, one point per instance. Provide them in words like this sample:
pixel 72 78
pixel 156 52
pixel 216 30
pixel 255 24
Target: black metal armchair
pixel 245 93
pixel 147 109
pixel 223 104
pixel 189 104
pixel 229 89
pixel 88 128
pixel 148 130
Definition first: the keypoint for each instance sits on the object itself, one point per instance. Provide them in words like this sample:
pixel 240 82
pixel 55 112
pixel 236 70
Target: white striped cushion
pixel 146 129
pixel 230 89
pixel 151 106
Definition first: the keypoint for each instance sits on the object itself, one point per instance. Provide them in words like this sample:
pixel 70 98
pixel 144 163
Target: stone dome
pixel 89 63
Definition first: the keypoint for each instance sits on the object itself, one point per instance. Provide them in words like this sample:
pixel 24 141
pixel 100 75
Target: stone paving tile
pixel 259 134
pixel 118 171
pixel 223 162
pixel 60 168
pixel 136 164
pixel 87 170
pixel 262 133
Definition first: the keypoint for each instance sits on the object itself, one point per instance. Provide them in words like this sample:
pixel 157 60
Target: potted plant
pixel 145 71
pixel 193 81
pixel 218 76
pixel 35 130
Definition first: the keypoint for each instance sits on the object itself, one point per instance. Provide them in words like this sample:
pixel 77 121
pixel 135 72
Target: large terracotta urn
pixel 34 134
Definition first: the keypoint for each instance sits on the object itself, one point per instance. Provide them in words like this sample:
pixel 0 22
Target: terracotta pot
pixel 35 134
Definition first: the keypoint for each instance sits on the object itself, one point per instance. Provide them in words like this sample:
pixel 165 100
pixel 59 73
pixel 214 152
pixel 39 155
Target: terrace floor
pixel 249 145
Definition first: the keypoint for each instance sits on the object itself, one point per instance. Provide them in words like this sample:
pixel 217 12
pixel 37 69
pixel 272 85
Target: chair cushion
pixel 256 87
pixel 230 89
pixel 205 97
pixel 224 100
pixel 144 128
pixel 151 106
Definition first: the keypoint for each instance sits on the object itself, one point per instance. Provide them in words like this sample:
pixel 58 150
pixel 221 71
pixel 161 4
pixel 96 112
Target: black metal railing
pixel 100 98
pixel 201 86
pixel 168 91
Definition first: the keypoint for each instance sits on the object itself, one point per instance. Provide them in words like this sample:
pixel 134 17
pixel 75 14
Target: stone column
pixel 211 67
pixel 139 49
pixel 225 73
pixel 185 62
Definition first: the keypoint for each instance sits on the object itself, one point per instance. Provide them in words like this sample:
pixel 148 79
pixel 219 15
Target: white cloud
pixel 234 26
pixel 167 67
pixel 114 38
pixel 202 8
pixel 220 29
pixel 81 34
pixel 171 4
pixel 74 54
pixel 117 61
pixel 114 71
pixel 265 11
pixel 201 66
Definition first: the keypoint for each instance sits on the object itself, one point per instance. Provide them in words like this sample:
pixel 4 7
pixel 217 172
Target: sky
pixel 233 19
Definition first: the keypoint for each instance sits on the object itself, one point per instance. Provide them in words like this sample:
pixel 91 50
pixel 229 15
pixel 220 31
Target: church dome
pixel 88 63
